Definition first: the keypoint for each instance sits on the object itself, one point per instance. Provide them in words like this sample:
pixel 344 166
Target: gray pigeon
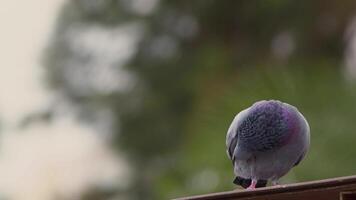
pixel 265 141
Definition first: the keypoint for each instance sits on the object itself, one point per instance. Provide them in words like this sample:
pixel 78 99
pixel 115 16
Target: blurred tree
pixel 167 77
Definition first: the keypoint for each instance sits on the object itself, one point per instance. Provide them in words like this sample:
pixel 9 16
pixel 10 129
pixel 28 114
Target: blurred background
pixel 131 99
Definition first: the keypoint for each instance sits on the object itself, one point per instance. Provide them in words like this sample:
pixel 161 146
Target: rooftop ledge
pixel 341 188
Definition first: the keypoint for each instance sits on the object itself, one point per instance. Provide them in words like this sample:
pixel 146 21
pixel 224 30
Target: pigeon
pixel 265 141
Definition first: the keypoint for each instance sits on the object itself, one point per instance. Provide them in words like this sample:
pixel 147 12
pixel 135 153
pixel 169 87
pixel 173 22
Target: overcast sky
pixel 25 27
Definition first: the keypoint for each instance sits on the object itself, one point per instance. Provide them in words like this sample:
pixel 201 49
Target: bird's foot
pixel 253 185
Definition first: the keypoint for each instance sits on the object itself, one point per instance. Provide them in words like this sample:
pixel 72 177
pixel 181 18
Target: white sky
pixel 25 27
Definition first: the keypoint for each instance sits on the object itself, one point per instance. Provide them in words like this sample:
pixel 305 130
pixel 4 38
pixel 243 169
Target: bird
pixel 265 141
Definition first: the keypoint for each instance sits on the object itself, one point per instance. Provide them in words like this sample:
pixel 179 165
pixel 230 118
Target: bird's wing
pixel 231 148
pixel 300 159
pixel 232 134
pixel 307 132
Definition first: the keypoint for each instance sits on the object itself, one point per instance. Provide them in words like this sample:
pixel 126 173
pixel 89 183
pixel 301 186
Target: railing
pixel 342 188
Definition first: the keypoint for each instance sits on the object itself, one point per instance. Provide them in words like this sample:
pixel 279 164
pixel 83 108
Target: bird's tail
pixel 245 183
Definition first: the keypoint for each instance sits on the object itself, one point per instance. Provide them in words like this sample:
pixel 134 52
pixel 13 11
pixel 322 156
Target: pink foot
pixel 253 185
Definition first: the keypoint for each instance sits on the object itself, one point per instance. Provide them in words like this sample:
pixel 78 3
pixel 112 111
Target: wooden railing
pixel 342 188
